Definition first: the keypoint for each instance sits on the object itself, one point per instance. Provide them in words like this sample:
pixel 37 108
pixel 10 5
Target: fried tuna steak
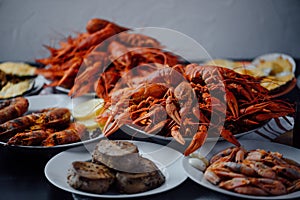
pixel 118 155
pixel 147 178
pixel 90 177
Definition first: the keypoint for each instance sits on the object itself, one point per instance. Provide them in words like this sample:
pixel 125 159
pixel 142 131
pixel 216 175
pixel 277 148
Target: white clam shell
pixel 199 164
pixel 200 157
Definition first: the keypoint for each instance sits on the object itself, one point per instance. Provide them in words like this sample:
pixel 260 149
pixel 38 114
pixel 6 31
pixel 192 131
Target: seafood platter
pixel 127 81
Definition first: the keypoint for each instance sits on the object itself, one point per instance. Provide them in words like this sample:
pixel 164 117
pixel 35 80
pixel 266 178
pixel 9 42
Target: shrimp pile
pixel 255 172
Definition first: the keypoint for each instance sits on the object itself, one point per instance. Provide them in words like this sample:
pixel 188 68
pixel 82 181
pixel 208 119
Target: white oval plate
pixel 39 82
pixel 160 139
pixel 66 91
pixel 287 151
pixel 167 159
pixel 39 102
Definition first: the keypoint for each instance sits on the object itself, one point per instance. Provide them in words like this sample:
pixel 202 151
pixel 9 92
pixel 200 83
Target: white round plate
pixel 167 159
pixel 287 151
pixel 39 102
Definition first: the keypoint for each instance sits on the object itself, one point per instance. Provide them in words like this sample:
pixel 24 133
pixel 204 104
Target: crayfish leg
pixel 221 154
pixel 227 135
pixel 106 129
pixel 294 187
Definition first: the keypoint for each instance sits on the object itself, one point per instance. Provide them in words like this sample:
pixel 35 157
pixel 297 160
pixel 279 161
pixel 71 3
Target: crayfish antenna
pixel 197 141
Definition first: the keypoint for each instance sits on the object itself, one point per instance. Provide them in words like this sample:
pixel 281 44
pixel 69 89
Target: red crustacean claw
pixel 117 121
pixel 197 141
pixel 171 109
pixel 227 135
pixel 232 104
pixel 177 135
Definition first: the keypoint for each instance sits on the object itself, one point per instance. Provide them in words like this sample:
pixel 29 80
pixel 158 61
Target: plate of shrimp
pixel 256 170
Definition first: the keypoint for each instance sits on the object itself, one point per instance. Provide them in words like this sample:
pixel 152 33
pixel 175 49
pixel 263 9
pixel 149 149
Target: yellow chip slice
pixel 17 68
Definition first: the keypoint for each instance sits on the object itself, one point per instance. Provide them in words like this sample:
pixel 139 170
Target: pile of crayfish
pixel 94 61
pixel 191 101
pixel 48 127
pixel 255 172
pixel 147 88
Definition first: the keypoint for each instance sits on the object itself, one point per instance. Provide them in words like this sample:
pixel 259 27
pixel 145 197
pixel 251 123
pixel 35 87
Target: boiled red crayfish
pixel 184 106
pixel 95 60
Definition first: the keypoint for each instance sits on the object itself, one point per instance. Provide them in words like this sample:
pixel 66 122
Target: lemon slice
pixel 88 109
pixel 89 123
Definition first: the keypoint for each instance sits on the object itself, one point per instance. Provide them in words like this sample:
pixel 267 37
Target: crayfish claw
pixel 197 141
pixel 177 135
pixel 171 109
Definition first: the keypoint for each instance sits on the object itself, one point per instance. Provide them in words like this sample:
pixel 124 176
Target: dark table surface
pixel 22 175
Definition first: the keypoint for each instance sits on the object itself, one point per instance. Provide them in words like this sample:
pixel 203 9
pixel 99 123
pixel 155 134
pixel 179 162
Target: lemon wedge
pixel 88 109
pixel 89 123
